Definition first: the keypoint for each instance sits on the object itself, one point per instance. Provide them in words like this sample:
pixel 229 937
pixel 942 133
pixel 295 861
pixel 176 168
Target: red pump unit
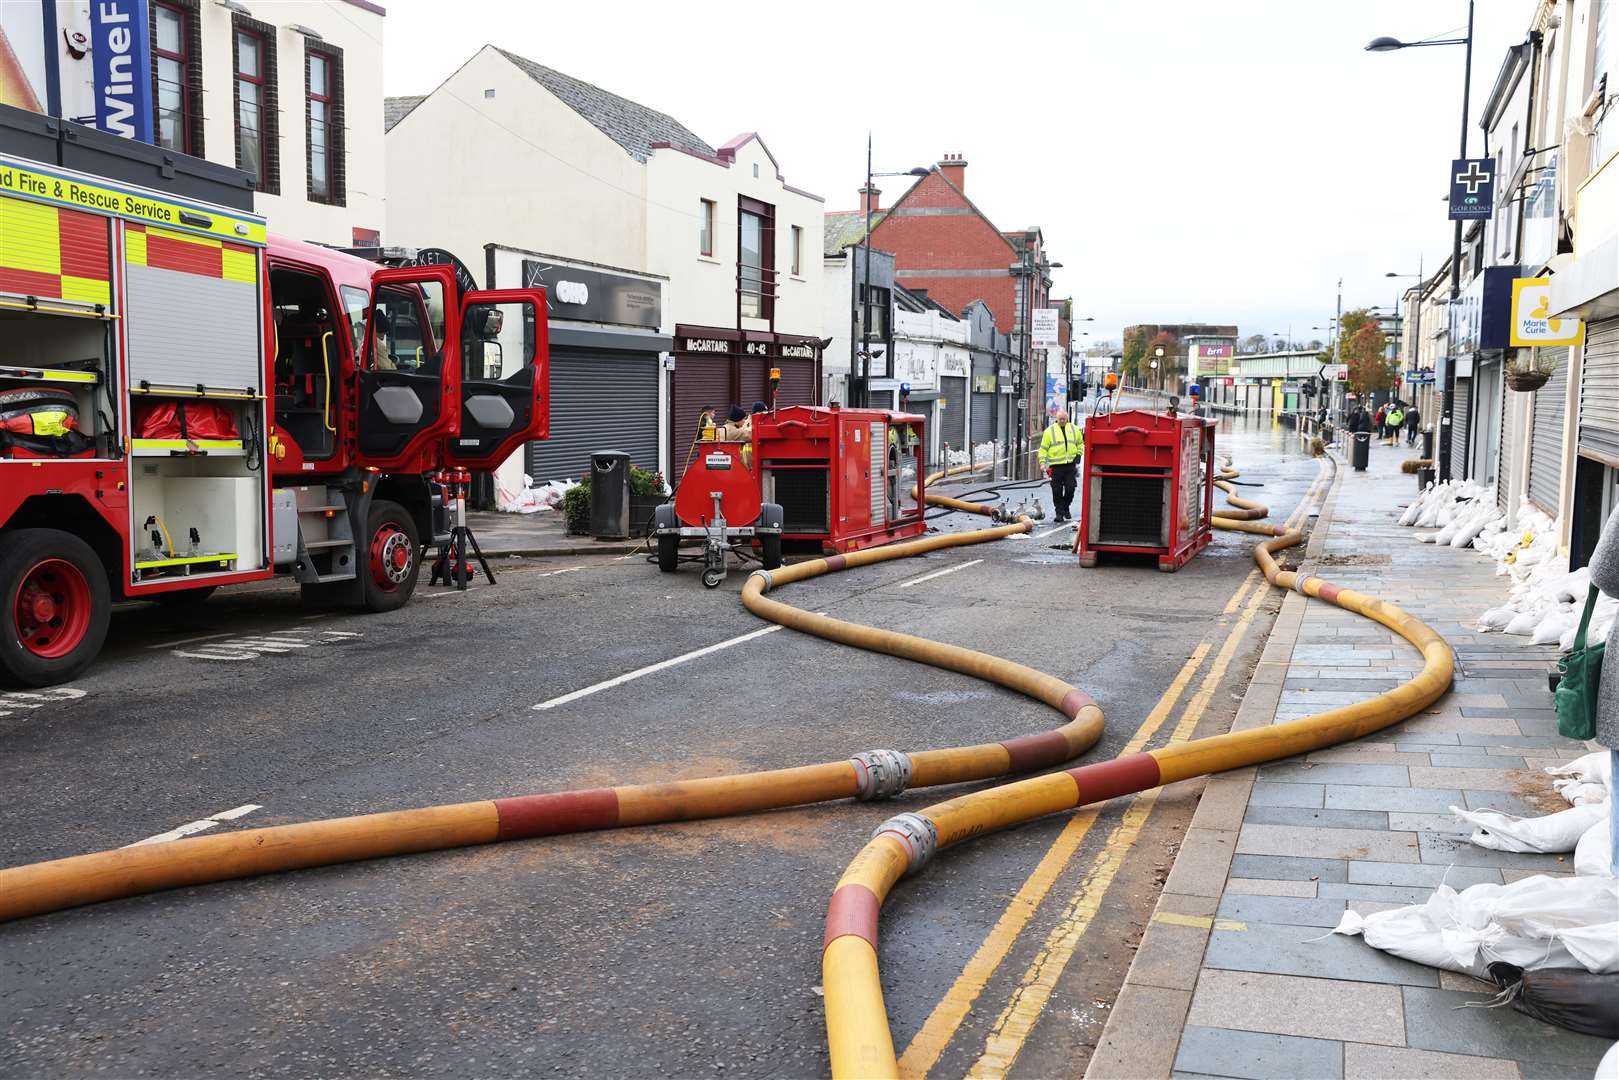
pixel 1146 488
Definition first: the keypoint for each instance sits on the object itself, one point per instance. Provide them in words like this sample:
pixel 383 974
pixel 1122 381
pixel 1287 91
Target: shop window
pixel 323 123
pixel 254 62
pixel 705 228
pixel 177 75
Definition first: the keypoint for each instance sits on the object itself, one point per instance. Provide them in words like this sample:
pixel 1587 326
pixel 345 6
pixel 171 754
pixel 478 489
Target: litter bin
pixel 1361 451
pixel 1427 444
pixel 609 495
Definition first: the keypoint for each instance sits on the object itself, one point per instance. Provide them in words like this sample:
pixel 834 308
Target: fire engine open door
pixel 410 372
pixel 505 376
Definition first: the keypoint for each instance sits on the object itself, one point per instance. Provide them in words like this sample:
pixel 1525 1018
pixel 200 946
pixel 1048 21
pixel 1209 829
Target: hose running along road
pixel 856 1019
pixel 109 875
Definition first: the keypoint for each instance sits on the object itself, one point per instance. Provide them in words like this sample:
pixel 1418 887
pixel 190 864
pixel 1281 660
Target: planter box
pixel 642 508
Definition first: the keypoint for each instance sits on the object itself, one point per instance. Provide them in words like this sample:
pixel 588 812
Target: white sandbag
pixel 1582 792
pixel 1548 630
pixel 1552 833
pixel 1522 923
pixel 1597 766
pixel 1469 532
pixel 1608 1067
pixel 1495 619
pixel 1447 514
pixel 1412 511
pixel 1426 538
pixel 1595 947
pixel 1593 855
pixel 1523 623
pixel 1448 533
pixel 1429 516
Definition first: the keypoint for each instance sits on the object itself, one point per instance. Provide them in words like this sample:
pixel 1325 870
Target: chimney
pixel 870 198
pixel 954 169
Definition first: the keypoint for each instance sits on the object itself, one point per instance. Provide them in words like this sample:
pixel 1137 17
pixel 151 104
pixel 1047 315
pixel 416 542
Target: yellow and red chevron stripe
pixel 54 253
pixel 205 256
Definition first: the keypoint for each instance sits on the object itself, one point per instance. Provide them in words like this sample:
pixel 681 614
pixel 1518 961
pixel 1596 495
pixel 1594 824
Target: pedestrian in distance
pixel 1060 450
pixel 1395 421
pixel 1413 424
pixel 1380 421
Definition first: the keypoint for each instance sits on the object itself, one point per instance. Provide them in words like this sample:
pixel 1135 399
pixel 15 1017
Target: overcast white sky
pixel 1189 160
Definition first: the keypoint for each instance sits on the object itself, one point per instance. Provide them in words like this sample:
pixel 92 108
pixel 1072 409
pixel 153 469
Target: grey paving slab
pixel 1289 868
pixel 1252 1054
pixel 1433 1022
pixel 1237 886
pixel 1141 1035
pixel 1481 779
pixel 1283 910
pixel 1201 866
pixel 1374 683
pixel 1326 819
pixel 1370 844
pixel 1307 773
pixel 1436 848
pixel 1403 800
pixel 1290 1005
pixel 1508 803
pixel 1439 823
pixel 1386 894
pixel 1264 794
pixel 1362 1062
pixel 1310 951
pixel 1474 761
pixel 1365 872
pixel 1549 742
pixel 1541 711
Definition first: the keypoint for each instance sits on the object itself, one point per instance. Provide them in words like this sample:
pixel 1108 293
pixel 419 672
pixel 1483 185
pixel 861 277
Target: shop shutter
pixel 698 381
pixel 1458 429
pixel 1509 454
pixel 983 418
pixel 1546 433
pixel 600 400
pixel 1599 393
pixel 953 420
pixel 797 382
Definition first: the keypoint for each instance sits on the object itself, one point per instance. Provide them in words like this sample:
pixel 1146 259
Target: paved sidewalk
pixel 1237 975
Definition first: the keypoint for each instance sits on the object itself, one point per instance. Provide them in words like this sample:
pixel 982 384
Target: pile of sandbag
pixel 531 499
pixel 1551 943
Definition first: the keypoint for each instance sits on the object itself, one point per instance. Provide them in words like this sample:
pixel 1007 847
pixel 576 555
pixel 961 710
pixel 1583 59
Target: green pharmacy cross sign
pixel 1472 189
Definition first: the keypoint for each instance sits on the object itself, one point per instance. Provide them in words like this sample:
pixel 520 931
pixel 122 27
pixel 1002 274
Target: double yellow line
pixel 1017 1020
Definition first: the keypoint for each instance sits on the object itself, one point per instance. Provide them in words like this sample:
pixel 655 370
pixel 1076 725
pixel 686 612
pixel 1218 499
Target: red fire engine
pixel 188 402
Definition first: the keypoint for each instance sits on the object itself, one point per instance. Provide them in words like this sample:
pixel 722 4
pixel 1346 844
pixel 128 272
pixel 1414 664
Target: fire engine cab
pixel 187 401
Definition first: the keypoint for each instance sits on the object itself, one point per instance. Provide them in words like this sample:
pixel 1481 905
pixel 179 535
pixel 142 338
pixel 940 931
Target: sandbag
pixel 1593 855
pixel 1495 619
pixel 1570 998
pixel 1597 766
pixel 1551 628
pixel 1608 1067
pixel 1552 833
pixel 1523 623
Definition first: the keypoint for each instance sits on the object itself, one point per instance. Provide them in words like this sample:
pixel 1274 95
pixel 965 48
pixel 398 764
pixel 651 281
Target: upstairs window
pixel 177 76
pixel 705 228
pixel 257 152
pixel 323 123
pixel 798 250
pixel 755 259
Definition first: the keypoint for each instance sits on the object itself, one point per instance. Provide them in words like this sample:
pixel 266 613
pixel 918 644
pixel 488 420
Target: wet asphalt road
pixel 684 950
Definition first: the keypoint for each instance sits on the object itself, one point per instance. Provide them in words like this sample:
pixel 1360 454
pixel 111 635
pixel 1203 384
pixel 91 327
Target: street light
pixel 1416 320
pixel 1447 403
pixel 865 309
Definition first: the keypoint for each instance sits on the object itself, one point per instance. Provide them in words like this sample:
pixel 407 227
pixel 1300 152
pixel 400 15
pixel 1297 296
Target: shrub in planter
pixel 576 507
pixel 646 492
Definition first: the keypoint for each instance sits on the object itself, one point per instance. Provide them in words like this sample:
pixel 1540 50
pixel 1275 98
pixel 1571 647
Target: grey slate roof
pixel 395 109
pixel 841 228
pixel 634 127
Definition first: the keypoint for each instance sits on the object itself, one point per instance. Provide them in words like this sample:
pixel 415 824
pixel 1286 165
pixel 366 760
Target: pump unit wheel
pixel 392 565
pixel 712 578
pixel 668 553
pixel 770 551
pixel 57 605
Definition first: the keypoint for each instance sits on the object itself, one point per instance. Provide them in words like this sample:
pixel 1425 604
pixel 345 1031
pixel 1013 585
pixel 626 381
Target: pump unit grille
pixel 1131 510
pixel 802 494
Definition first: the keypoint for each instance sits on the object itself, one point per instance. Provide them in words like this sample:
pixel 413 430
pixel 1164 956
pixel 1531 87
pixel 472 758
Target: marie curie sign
pixel 1532 323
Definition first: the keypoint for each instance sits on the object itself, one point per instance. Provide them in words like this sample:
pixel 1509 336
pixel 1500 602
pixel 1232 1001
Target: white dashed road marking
pixel 18 700
pixel 275 643
pixel 192 827
pixel 1054 532
pixel 939 573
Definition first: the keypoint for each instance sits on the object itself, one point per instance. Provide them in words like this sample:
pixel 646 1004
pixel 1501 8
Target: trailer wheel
pixel 668 553
pixel 391 564
pixel 770 551
pixel 712 578
pixel 57 605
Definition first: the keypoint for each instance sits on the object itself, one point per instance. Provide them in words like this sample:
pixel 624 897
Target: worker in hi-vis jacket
pixel 1060 449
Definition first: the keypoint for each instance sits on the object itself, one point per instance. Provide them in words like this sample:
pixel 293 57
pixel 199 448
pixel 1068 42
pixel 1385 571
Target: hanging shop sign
pixel 1043 329
pixel 1532 323
pixel 121 58
pixel 1472 189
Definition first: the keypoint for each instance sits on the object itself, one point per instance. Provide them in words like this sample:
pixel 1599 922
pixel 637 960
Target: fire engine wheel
pixel 392 565
pixel 57 603
pixel 770 551
pixel 668 553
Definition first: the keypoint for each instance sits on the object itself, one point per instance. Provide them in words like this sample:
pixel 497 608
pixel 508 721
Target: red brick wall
pixel 949 242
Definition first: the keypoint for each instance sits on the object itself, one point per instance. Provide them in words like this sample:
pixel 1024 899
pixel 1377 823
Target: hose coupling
pixel 769 582
pixel 880 774
pixel 918 835
pixel 1298 582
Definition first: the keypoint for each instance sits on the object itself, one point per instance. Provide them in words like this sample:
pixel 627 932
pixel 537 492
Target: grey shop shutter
pixel 953 421
pixel 1546 432
pixel 983 418
pixel 1458 429
pixel 1599 393
pixel 698 381
pixel 600 400
pixel 1509 450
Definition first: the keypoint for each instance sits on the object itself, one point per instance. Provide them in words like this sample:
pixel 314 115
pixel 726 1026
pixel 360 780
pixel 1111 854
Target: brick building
pixel 947 247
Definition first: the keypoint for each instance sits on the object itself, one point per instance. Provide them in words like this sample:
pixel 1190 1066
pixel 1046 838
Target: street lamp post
pixel 1415 337
pixel 870 195
pixel 1447 401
